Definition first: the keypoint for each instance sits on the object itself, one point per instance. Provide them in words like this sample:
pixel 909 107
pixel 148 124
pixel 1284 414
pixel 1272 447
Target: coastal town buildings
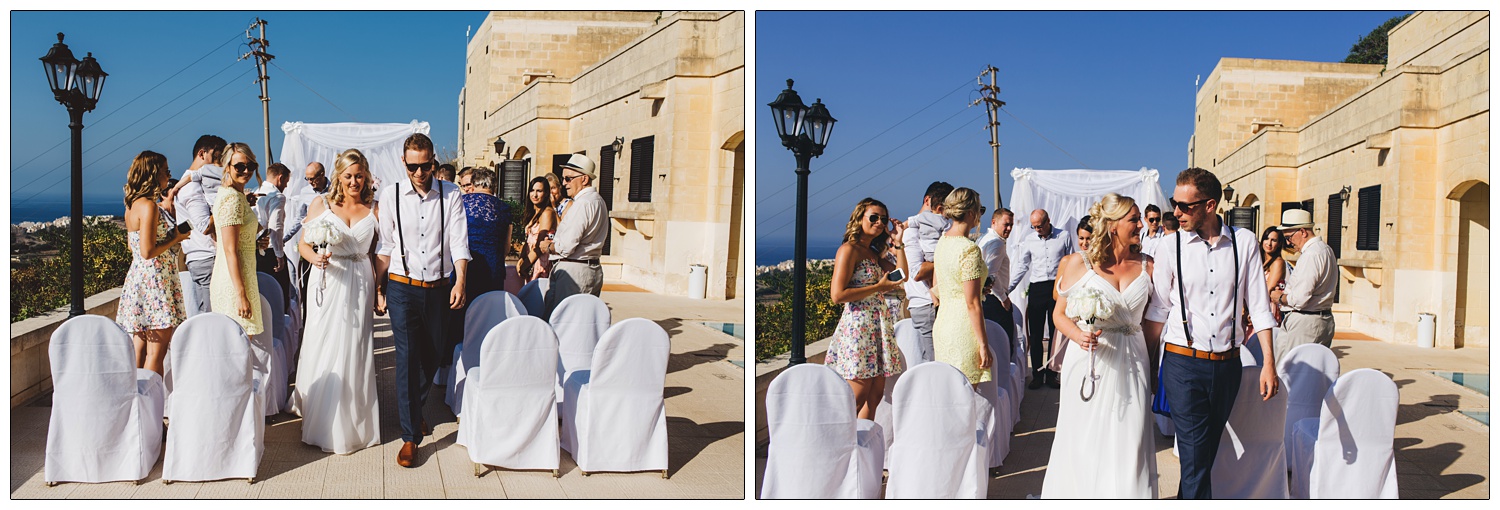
pixel 1392 160
pixel 656 98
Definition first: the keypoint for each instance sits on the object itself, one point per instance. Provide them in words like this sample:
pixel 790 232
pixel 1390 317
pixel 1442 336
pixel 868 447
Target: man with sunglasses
pixel 1041 252
pixel 1308 298
pixel 424 236
pixel 192 201
pixel 1205 274
pixel 580 236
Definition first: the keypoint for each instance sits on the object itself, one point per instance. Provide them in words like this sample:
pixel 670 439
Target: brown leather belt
pixel 1195 353
pixel 590 262
pixel 415 283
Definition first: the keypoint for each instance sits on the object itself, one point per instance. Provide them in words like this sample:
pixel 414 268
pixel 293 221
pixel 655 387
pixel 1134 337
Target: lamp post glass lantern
pixel 500 148
pixel 805 131
pixel 76 85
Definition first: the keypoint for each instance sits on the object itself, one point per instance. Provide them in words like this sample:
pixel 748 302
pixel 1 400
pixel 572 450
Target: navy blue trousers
pixel 1201 394
pixel 419 325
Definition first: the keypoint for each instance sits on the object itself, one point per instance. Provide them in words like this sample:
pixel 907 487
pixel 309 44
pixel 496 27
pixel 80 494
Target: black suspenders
pixel 1181 294
pixel 442 228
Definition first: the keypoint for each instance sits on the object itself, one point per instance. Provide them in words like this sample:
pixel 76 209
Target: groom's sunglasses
pixel 412 168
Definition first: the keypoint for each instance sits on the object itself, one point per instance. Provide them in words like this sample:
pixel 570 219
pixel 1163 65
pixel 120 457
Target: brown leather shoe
pixel 407 455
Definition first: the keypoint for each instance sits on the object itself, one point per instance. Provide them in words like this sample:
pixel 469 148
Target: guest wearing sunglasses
pixel 1041 252
pixel 863 350
pixel 234 289
pixel 580 236
pixel 424 236
pixel 958 333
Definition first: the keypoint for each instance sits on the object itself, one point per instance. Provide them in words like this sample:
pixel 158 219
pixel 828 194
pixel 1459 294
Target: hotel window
pixel 1368 236
pixel 642 168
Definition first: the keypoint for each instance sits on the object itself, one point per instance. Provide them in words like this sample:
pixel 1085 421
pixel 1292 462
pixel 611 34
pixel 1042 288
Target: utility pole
pixel 258 50
pixel 992 105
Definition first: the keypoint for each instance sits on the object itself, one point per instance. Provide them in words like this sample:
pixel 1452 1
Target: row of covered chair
pixel 516 377
pixel 106 422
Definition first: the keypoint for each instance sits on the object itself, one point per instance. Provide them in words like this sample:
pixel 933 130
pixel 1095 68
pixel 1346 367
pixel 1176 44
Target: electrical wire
pixel 1039 135
pixel 310 89
pixel 871 139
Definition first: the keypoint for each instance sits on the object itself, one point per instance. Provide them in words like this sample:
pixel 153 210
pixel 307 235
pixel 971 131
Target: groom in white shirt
pixel 1200 372
pixel 424 236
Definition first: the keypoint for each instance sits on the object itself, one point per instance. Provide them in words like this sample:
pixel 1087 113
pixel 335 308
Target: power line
pixel 965 83
pixel 137 137
pixel 310 89
pixel 833 200
pixel 1039 134
pixel 909 141
pixel 60 143
pixel 204 114
pixel 127 127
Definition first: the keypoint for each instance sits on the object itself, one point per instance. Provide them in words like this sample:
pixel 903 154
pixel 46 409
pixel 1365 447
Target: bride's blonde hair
pixel 1102 217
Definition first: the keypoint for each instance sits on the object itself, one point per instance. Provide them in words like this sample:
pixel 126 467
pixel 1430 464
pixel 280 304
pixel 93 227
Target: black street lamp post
pixel 804 130
pixel 76 84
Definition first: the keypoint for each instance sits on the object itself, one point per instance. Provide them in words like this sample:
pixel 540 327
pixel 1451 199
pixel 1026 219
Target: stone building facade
pixel 668 85
pixel 1410 143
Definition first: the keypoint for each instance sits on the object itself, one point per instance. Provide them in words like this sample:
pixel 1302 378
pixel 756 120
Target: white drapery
pixel 1066 195
pixel 380 143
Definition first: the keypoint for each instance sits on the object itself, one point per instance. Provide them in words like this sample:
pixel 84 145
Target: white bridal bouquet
pixel 322 234
pixel 1087 305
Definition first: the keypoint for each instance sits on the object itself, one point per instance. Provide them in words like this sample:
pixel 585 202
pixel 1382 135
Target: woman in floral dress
pixel 151 304
pixel 864 350
pixel 234 290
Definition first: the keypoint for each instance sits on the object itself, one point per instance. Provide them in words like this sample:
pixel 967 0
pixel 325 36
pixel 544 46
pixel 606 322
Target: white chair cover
pixel 810 412
pixel 286 331
pixel 511 404
pixel 614 417
pixel 270 362
pixel 485 312
pixel 1309 371
pixel 1350 454
pixel 910 345
pixel 997 392
pixel 579 321
pixel 106 414
pixel 534 295
pixel 217 428
pixel 1018 368
pixel 942 450
pixel 1251 463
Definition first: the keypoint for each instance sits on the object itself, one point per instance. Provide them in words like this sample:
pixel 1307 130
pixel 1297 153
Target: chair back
pixel 534 296
pixel 936 416
pixel 626 381
pixel 1354 457
pixel 484 313
pixel 514 397
pixel 579 320
pixel 1308 371
pixel 910 344
pixel 1251 463
pixel 812 425
pixel 272 291
pixel 93 381
pixel 217 428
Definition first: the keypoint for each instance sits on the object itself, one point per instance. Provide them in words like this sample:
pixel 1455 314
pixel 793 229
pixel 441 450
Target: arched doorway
pixel 1472 303
pixel 735 273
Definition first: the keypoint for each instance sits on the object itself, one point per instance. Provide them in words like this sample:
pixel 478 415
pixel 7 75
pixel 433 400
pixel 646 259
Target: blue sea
pixel 42 209
pixel 769 254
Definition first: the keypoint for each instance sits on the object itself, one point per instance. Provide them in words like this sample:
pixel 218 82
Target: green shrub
pixel 773 321
pixel 44 284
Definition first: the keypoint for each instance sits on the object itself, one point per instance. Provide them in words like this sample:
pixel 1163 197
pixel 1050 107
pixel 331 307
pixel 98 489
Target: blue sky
pixel 1113 90
pixel 375 66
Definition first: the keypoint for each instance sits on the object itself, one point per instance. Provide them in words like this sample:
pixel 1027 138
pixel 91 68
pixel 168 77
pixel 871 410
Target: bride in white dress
pixel 1103 447
pixel 335 392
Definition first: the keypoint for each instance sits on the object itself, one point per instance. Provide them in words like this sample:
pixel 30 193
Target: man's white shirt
pixel 917 293
pixel 992 246
pixel 1213 320
pixel 1310 288
pixel 581 233
pixel 422 231
pixel 1039 257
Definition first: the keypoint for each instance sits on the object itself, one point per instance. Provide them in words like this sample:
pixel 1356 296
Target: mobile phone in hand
pixel 896 275
pixel 184 228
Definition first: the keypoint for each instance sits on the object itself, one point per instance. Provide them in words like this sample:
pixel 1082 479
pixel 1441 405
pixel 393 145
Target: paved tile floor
pixel 1440 453
pixel 705 430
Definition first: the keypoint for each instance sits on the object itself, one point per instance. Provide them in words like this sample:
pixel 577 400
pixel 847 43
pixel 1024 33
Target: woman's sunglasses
pixel 245 167
pixel 876 218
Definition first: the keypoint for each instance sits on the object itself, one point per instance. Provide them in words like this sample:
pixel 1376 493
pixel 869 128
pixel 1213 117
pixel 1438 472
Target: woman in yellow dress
pixel 958 276
pixel 233 291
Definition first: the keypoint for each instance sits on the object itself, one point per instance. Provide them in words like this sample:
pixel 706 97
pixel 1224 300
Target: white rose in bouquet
pixel 1088 305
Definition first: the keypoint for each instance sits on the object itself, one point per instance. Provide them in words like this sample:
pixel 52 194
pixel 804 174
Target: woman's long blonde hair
pixel 143 180
pixel 346 160
pixel 852 231
pixel 1102 217
pixel 229 152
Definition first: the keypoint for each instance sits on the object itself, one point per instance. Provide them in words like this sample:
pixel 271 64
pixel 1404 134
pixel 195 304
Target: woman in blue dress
pixel 489 232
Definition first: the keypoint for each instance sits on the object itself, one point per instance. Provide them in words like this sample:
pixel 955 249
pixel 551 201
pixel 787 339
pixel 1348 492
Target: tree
pixel 1372 48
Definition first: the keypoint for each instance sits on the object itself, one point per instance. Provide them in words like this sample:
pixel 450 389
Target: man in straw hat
pixel 1309 288
pixel 580 236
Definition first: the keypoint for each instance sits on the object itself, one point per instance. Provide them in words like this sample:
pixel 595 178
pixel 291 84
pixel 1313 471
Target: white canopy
pixel 381 144
pixel 1066 195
